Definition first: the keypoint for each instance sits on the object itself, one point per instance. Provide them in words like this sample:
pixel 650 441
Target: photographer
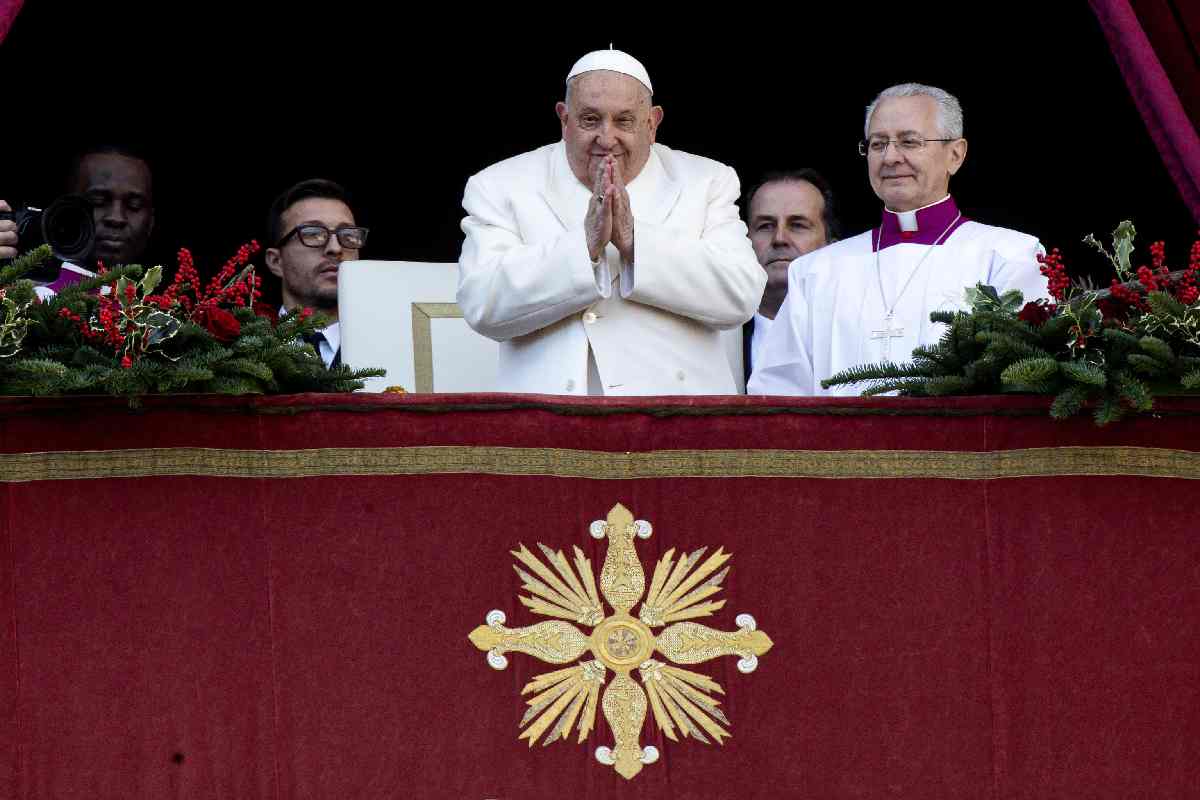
pixel 116 182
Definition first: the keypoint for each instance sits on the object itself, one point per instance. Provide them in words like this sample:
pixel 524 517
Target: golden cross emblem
pixel 680 590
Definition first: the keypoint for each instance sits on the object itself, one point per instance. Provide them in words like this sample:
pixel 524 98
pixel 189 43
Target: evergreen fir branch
pixel 36 376
pixel 23 264
pixel 20 291
pixel 1132 391
pixel 1005 347
pixel 944 385
pixel 1029 374
pixel 249 343
pixel 1083 373
pixel 1069 401
pixel 131 272
pixel 984 374
pixel 245 367
pixel 1108 410
pixel 945 317
pixel 1191 380
pixel 933 360
pixel 1145 365
pixel 1119 343
pixel 885 370
pixel 1157 349
pixel 1055 332
pixel 966 349
pixel 911 387
pixel 233 384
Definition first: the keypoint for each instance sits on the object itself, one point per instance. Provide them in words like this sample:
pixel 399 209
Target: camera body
pixel 66 225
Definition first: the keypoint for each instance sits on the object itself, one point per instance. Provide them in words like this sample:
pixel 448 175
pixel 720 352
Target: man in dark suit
pixel 788 215
pixel 312 231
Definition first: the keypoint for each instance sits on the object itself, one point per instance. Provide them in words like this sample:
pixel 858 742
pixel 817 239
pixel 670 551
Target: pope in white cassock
pixel 605 263
pixel 867 299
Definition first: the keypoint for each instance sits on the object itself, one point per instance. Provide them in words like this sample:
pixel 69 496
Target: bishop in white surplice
pixel 867 299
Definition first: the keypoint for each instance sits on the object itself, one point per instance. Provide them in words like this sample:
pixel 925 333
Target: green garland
pixel 133 342
pixel 1114 349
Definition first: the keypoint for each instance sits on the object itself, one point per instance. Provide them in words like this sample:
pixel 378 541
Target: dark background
pixel 234 103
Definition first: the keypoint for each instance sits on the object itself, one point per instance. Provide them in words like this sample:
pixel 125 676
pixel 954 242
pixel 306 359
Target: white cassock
pixel 568 326
pixel 867 299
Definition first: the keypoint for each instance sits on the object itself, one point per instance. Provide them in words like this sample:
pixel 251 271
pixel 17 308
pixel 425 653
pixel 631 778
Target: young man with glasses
pixel 312 230
pixel 867 299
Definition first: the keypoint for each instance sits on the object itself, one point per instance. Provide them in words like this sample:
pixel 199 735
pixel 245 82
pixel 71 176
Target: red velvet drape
pixel 1156 44
pixel 8 13
pixel 270 598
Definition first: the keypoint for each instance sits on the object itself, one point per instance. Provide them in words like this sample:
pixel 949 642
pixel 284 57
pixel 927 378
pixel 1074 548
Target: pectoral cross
pixel 886 335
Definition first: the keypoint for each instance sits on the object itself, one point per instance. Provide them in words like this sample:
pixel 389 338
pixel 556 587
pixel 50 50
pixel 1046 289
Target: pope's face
pixel 609 113
pixel 906 179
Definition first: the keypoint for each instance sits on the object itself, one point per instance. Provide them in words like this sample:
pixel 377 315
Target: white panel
pixel 375 310
pixel 475 358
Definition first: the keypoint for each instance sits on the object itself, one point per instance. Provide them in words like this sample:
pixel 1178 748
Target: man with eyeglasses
pixel 867 299
pixel 312 231
pixel 605 263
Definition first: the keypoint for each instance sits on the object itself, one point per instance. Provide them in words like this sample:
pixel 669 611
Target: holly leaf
pixel 1122 239
pixel 151 280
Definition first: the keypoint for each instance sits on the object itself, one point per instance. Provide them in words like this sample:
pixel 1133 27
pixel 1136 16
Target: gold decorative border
pixel 422 316
pixel 1147 462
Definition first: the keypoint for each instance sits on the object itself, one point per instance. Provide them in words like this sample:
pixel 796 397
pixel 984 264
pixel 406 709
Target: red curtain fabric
pixel 8 13
pixel 1156 44
pixel 270 598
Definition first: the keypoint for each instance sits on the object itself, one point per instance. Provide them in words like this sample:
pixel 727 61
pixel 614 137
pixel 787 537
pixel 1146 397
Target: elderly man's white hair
pixel 950 114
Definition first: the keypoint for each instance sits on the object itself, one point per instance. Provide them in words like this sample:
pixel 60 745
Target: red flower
pixel 220 323
pixel 1036 313
pixel 1113 310
pixel 126 362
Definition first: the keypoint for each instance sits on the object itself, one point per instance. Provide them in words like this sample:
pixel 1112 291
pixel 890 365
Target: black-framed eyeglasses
pixel 909 143
pixel 349 237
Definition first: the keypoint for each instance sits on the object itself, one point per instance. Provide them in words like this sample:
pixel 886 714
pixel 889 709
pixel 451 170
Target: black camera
pixel 66 225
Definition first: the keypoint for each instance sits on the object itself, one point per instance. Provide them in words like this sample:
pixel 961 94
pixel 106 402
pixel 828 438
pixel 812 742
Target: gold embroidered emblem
pixel 680 590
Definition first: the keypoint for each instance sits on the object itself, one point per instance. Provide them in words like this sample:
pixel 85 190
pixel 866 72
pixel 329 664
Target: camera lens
pixel 68 228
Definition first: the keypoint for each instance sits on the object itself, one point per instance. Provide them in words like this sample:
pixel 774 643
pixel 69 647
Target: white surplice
pixel 835 315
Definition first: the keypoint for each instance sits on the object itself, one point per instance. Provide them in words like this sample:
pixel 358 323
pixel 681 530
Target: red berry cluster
pixel 1154 278
pixel 1158 254
pixel 1056 274
pixel 110 333
pixel 186 278
pixel 1187 292
pixel 1127 295
pixel 240 293
pixel 1157 277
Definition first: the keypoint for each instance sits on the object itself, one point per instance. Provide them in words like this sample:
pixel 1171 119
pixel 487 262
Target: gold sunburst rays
pixel 678 698
pixel 676 595
pixel 681 701
pixel 570 597
pixel 561 696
